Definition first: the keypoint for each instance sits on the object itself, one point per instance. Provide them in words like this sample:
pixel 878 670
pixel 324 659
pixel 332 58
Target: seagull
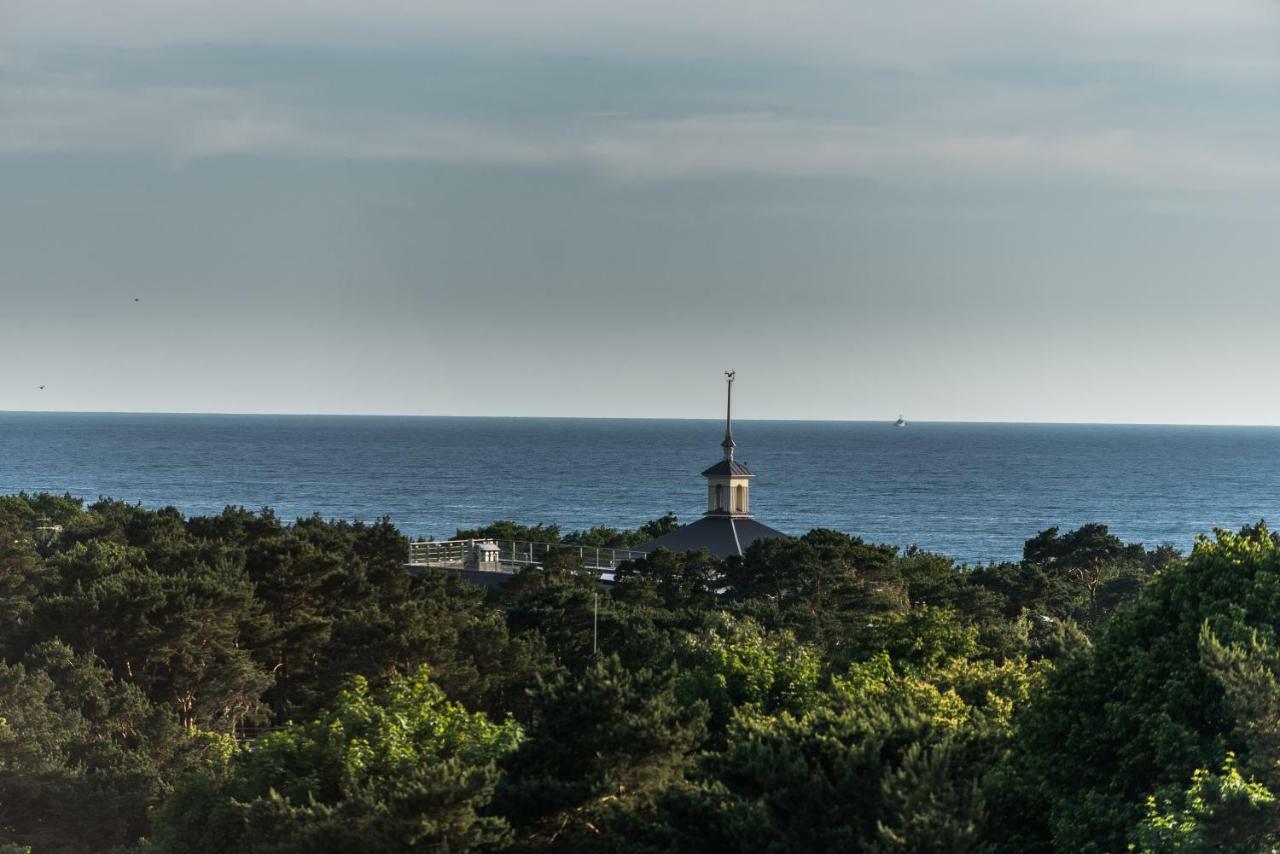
pixel 41 386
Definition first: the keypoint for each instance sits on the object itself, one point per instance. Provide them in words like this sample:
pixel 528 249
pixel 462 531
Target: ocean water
pixel 972 491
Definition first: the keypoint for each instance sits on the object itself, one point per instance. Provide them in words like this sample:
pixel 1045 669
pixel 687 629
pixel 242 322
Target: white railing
pixel 510 555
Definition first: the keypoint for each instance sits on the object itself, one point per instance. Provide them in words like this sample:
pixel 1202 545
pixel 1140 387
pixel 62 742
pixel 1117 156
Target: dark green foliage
pixel 874 764
pixel 175 634
pixel 231 623
pixel 507 530
pixel 1087 545
pixel 927 806
pixel 1139 713
pixel 398 770
pixel 655 528
pixel 608 740
pixel 823 586
pixel 81 754
pixel 1232 808
pixel 817 693
pixel 689 580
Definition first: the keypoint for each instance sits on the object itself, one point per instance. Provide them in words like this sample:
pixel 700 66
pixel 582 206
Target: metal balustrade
pixel 510 556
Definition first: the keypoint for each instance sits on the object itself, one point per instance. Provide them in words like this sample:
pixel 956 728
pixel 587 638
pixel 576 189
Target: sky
pixel 997 210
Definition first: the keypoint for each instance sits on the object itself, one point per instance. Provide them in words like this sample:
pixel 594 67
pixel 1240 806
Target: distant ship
pixel 901 422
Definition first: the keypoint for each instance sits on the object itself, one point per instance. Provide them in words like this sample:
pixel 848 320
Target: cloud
pixel 911 33
pixel 185 123
pixel 993 121
pixel 767 145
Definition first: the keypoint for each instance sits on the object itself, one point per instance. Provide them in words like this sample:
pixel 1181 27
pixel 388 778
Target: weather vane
pixel 728 444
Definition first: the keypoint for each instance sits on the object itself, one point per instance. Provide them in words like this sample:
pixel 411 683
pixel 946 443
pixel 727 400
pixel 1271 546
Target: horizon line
pixel 890 421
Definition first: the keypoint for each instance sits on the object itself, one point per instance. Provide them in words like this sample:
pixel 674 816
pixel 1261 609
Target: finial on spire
pixel 728 444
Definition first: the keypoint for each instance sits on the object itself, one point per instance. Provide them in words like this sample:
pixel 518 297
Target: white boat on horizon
pixel 901 422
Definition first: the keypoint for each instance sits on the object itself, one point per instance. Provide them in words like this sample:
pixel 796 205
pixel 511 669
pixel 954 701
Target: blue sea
pixel 972 491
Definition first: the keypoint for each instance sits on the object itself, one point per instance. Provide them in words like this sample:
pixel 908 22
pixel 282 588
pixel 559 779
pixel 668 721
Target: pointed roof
pixel 728 468
pixel 723 535
pixel 719 531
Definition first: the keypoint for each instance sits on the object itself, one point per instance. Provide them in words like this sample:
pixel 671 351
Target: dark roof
pixel 722 535
pixel 727 468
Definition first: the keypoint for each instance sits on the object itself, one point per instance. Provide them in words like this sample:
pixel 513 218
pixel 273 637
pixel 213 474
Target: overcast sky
pixel 1031 210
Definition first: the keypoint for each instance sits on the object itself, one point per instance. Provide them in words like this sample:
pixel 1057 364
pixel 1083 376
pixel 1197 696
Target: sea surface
pixel 972 491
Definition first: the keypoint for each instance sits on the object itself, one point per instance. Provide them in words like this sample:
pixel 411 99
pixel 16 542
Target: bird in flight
pixel 41 386
pixel 135 299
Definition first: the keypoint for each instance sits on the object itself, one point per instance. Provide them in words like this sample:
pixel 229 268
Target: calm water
pixel 974 491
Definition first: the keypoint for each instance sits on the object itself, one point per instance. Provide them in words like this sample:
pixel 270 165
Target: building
pixel 727 528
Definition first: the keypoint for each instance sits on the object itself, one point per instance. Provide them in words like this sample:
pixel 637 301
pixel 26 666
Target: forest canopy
pixel 238 683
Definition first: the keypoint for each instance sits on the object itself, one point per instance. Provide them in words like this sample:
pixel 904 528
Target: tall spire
pixel 728 444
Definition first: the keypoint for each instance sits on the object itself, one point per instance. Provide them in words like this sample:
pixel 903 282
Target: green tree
pixel 178 635
pixel 822 586
pixel 609 740
pixel 735 665
pixel 1232 809
pixel 1218 812
pixel 395 770
pixel 1139 714
pixel 669 580
pixel 508 530
pixel 921 638
pixel 1092 566
pixel 884 761
pixel 82 755
pixel 927 806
